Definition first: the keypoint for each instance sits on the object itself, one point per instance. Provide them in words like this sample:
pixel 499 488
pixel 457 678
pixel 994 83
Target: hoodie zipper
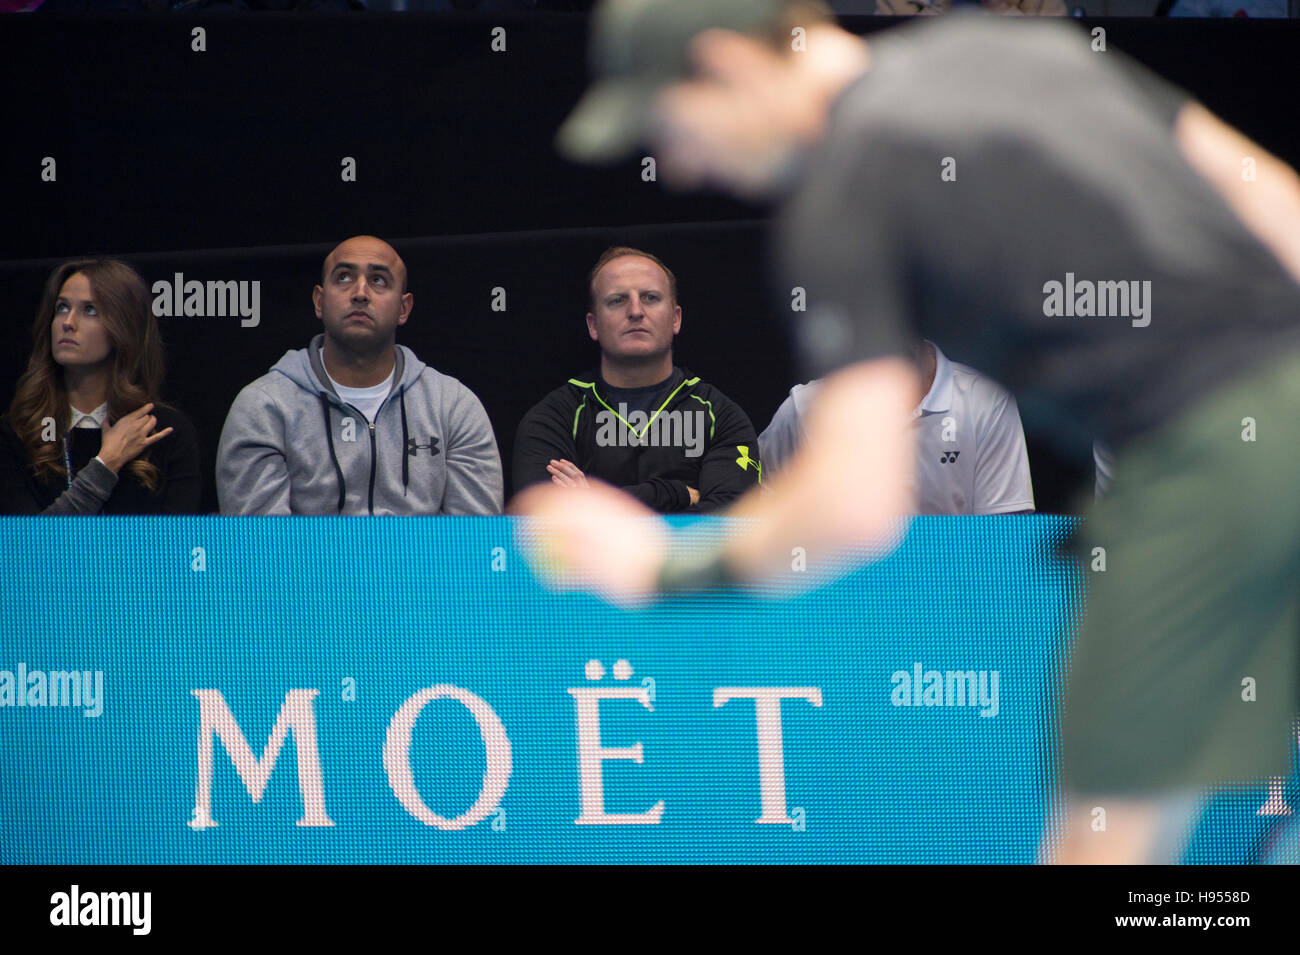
pixel 374 448
pixel 373 455
pixel 374 452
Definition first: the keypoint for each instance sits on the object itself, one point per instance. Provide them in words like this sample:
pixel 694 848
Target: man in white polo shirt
pixel 971 456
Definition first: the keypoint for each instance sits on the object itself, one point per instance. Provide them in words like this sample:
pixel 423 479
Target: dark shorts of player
pixel 1185 667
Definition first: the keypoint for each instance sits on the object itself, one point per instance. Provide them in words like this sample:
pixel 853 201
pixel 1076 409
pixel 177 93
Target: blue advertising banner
pixel 329 690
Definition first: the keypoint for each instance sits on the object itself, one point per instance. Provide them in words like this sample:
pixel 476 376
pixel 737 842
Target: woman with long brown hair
pixel 86 432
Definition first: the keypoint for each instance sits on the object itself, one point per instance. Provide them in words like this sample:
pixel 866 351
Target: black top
pixel 95 490
pixel 639 399
pixel 652 442
pixel 1067 172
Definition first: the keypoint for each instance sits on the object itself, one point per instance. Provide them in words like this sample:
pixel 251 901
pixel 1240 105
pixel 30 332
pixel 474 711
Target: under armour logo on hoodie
pixel 413 449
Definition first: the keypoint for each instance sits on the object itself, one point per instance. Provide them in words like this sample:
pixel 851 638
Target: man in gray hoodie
pixel 355 423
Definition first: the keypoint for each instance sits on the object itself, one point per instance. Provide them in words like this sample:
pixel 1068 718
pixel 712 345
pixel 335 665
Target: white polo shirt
pixel 971 454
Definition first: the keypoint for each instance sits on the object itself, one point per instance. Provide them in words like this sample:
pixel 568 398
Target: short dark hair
pixel 617 252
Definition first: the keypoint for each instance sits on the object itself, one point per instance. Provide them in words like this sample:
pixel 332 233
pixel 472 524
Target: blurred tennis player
pixel 1082 231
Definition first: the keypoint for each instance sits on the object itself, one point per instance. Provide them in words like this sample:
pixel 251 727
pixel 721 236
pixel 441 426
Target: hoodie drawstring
pixel 329 436
pixel 406 442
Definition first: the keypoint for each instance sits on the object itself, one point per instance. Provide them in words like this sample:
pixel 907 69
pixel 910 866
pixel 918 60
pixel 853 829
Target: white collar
pixel 96 417
pixel 939 398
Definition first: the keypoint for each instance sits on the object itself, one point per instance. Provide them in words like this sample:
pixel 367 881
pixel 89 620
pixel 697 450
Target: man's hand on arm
pixel 566 474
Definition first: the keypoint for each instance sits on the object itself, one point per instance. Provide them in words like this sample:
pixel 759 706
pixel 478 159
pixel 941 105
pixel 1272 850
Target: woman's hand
pixel 128 437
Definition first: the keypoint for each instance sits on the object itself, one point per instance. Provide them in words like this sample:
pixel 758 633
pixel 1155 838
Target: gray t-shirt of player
pixel 978 161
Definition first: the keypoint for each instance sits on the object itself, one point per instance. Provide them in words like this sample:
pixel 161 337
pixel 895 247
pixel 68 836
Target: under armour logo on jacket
pixel 744 461
pixel 948 457
pixel 413 449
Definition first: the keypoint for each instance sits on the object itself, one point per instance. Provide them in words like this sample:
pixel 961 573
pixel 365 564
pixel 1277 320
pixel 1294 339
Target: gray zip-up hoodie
pixel 291 446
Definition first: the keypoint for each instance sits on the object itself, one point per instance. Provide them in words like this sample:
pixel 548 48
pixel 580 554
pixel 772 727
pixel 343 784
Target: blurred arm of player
pixel 1268 204
pixel 850 484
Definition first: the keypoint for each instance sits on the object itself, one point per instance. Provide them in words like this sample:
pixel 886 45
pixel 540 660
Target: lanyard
pixel 67 455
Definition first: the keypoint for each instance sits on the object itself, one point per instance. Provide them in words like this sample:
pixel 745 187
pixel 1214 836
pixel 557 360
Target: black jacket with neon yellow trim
pixel 651 456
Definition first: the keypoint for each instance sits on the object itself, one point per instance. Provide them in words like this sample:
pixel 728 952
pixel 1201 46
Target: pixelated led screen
pixel 322 690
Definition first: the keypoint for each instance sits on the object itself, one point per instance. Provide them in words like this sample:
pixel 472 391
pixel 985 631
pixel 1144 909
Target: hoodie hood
pixel 306 369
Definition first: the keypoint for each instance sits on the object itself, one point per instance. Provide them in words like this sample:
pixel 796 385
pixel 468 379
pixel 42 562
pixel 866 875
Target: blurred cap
pixel 637 48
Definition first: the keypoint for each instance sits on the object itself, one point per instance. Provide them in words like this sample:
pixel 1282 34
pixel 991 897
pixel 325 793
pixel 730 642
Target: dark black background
pixel 343 905
pixel 226 165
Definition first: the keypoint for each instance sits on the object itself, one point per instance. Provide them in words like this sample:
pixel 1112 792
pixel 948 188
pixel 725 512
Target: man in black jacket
pixel 640 423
